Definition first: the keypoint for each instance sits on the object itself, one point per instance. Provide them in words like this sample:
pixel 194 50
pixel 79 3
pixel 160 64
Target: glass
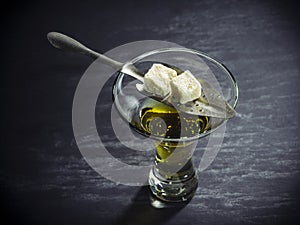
pixel 173 177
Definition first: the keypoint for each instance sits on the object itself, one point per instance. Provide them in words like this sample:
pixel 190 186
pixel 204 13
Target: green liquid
pixel 163 121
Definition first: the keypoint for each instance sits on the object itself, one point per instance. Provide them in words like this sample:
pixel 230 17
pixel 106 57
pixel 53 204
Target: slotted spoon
pixel 217 106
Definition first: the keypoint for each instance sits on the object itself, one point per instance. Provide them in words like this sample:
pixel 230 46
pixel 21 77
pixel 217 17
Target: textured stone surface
pixel 253 180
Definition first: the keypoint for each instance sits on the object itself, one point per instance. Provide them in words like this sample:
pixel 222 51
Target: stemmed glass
pixel 173 177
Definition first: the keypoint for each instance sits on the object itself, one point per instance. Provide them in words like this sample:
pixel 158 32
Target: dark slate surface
pixel 253 180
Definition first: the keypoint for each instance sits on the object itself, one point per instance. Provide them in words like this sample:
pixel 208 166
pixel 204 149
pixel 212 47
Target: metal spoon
pixel 216 107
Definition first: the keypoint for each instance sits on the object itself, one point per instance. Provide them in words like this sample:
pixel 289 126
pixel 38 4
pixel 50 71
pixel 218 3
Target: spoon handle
pixel 66 43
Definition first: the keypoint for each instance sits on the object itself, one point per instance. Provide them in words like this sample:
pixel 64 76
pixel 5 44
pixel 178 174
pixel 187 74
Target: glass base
pixel 173 190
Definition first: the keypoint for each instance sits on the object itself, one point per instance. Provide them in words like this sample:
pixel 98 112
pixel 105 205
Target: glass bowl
pixel 127 99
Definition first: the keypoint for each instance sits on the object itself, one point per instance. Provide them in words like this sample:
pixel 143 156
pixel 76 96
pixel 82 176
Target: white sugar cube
pixel 185 87
pixel 157 79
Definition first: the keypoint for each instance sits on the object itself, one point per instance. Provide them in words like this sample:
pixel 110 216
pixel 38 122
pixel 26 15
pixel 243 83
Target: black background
pixel 253 180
